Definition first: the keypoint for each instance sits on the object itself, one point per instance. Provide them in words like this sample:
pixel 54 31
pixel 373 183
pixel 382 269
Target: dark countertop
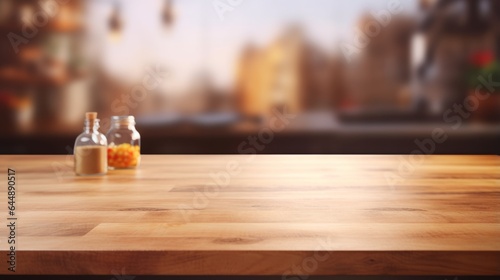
pixel 397 138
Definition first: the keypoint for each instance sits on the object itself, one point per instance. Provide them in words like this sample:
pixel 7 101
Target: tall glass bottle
pixel 91 149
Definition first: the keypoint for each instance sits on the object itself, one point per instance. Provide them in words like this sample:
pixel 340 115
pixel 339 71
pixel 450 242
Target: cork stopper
pixel 90 116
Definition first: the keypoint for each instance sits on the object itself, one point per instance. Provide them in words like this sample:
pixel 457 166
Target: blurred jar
pixel 124 142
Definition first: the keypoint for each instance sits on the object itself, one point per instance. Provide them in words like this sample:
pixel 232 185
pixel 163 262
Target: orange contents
pixel 123 156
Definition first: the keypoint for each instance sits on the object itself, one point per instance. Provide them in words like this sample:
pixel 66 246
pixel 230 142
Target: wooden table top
pixel 258 215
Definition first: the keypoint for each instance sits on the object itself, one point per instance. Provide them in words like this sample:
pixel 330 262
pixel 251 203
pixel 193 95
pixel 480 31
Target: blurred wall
pixel 203 76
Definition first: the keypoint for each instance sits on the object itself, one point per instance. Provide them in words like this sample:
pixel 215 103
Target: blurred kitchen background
pixel 201 76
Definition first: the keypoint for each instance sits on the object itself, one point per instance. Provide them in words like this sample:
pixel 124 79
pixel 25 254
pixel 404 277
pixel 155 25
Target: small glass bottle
pixel 124 149
pixel 90 149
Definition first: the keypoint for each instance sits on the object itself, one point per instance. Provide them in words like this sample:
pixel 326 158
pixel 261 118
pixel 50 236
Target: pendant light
pixel 115 22
pixel 167 14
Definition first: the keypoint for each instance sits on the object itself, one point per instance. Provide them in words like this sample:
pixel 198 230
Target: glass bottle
pixel 124 149
pixel 90 149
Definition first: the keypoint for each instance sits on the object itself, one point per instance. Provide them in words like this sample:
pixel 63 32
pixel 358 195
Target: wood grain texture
pixel 276 215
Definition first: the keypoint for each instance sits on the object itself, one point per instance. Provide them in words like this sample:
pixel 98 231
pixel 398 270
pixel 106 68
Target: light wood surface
pixel 321 214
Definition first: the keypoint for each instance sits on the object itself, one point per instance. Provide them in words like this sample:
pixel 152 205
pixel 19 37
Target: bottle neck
pixel 91 126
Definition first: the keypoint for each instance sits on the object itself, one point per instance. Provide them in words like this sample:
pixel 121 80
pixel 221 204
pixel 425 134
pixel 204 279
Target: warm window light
pixel 26 15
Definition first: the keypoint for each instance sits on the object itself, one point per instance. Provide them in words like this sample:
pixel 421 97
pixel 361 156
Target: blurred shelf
pixel 11 76
pixel 51 130
pixel 54 27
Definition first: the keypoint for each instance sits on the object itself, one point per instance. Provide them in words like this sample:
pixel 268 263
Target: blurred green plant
pixel 483 64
